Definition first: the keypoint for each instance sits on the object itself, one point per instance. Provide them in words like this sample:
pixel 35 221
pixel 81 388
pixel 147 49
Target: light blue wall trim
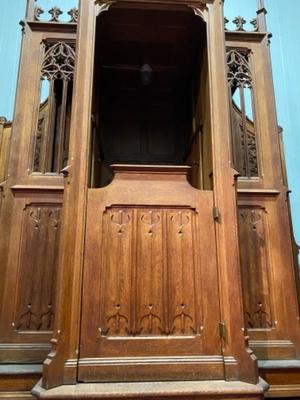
pixel 10 42
pixel 283 22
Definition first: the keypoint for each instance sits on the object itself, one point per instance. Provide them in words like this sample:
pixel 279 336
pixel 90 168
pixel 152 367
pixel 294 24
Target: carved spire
pixel 261 16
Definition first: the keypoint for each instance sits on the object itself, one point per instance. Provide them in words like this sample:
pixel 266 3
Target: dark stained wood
pixel 269 282
pixel 148 278
pixel 255 264
pixel 61 365
pixel 30 218
pixel 144 280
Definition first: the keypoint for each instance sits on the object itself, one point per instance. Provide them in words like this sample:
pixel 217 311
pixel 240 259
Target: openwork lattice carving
pixel 55 14
pixel 240 23
pixel 59 61
pixel 239 72
pixel 53 122
pixel 243 127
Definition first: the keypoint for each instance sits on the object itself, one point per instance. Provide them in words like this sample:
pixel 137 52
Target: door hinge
pixel 216 213
pixel 222 330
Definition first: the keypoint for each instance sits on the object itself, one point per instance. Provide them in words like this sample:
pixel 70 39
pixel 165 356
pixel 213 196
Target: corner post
pixel 30 10
pixel 240 364
pixel 60 367
pixel 261 16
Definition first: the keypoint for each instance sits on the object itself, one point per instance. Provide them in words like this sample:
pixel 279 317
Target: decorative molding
pixel 259 192
pixel 103 6
pixel 152 360
pixel 30 189
pixel 240 23
pixel 200 11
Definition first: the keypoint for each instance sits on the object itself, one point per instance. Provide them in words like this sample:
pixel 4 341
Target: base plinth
pixel 155 390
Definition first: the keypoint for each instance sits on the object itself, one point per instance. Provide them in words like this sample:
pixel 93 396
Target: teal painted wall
pixel 283 22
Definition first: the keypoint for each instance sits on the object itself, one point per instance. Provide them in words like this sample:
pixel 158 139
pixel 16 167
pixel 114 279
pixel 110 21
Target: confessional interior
pixel 151 95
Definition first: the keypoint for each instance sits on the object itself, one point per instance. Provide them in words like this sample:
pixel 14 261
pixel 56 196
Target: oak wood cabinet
pixel 145 224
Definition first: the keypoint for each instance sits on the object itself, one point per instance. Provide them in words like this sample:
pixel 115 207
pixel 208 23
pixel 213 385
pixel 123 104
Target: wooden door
pixel 150 296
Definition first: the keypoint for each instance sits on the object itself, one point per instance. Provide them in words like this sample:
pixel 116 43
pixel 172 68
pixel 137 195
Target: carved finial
pixel 254 22
pixel 239 22
pixel 3 120
pixel 55 12
pixel 38 11
pixel 226 20
pixel 74 14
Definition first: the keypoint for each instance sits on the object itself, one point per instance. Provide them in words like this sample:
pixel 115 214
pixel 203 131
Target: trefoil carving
pixel 59 61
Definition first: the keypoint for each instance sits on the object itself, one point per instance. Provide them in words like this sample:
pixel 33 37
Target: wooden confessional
pixel 144 217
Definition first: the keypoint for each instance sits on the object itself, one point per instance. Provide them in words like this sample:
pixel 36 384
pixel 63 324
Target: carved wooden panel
pixel 255 266
pixel 147 252
pixel 37 267
pixel 150 279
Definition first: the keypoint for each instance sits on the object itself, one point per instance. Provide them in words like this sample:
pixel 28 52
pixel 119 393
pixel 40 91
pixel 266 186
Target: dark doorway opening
pixel 147 75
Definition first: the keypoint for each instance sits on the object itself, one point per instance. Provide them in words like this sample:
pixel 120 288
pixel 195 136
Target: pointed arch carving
pixel 50 152
pixel 59 61
pixel 244 138
pixel 239 71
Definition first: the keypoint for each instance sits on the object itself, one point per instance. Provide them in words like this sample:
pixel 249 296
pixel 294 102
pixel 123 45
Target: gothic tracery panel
pixel 244 140
pixel 53 125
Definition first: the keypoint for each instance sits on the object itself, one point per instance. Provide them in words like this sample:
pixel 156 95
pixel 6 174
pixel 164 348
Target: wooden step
pixel 283 376
pixel 17 380
pixel 182 390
